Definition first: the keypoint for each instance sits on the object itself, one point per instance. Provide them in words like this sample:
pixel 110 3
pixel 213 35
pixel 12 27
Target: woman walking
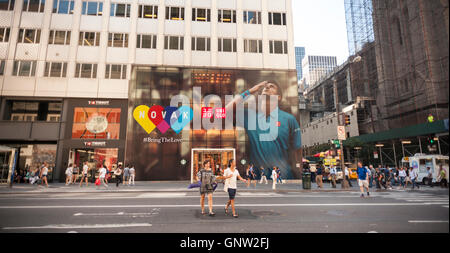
pixel 118 174
pixel 231 175
pixel 274 178
pixel 102 175
pixel 84 174
pixel 43 175
pixel 207 178
pixel 69 172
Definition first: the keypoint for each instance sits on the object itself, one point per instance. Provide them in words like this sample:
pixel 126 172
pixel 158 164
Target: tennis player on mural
pixel 274 135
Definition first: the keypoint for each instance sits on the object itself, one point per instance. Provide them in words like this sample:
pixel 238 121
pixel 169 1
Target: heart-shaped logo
pixel 140 114
pixel 180 118
pixel 156 115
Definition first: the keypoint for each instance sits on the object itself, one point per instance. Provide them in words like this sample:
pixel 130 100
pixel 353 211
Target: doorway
pixel 219 159
pixel 95 157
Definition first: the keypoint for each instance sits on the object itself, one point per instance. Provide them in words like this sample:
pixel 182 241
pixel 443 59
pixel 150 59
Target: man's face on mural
pixel 271 89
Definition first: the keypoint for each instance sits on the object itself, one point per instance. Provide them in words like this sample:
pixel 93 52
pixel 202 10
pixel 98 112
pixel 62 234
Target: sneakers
pixel 368 194
pixel 362 195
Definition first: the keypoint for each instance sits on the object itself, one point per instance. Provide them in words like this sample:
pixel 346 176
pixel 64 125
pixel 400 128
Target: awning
pixel 436 127
pixel 5 149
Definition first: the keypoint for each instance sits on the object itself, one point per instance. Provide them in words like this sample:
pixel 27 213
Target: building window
pixel 174 42
pixel 276 18
pixel 227 45
pixel 63 6
pixel 2 67
pixel 92 8
pixel 7 5
pixel 120 10
pixel 117 40
pixel 33 5
pixel 24 68
pixel 91 39
pixel 114 71
pixel 29 36
pixel 227 16
pixel 59 38
pixel 203 15
pixel 4 34
pixel 148 11
pixel 33 111
pixel 146 41
pixel 252 17
pixel 86 70
pixel 55 69
pixel 253 46
pixel 278 47
pixel 175 13
pixel 201 44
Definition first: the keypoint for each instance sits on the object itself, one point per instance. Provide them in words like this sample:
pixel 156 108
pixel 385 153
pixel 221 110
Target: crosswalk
pixel 418 197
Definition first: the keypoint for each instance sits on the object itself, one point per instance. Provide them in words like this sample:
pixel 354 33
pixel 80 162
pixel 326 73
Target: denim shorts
pixel 231 193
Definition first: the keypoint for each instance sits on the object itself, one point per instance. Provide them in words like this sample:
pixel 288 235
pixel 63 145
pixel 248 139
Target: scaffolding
pixel 358 15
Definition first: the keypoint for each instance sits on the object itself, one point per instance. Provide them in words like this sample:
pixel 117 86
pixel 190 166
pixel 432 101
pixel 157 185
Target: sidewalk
pixel 166 186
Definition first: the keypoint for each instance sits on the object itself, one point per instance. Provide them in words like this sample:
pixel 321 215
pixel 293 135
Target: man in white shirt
pixel 84 174
pixel 347 176
pixel 274 178
pixel 413 175
pixel 44 172
pixel 69 173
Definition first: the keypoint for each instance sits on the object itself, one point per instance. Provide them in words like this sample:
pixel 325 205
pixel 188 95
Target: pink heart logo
pixel 156 115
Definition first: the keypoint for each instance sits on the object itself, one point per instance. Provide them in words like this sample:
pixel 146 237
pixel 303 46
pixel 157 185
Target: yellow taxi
pixel 353 174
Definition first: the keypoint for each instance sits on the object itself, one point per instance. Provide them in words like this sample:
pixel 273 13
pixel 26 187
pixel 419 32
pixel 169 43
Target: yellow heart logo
pixel 140 114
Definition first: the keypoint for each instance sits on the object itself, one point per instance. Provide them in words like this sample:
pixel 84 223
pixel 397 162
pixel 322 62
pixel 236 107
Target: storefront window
pixel 96 123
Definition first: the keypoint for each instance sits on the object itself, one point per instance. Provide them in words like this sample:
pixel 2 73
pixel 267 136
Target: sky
pixel 319 26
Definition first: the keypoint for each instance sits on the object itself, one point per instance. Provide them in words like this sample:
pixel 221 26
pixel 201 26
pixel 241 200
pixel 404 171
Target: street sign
pixel 375 155
pixel 341 133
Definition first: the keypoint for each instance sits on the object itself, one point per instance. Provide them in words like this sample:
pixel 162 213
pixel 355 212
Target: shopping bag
pixel 97 181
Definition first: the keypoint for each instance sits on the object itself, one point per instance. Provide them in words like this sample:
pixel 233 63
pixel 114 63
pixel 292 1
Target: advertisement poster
pixel 179 117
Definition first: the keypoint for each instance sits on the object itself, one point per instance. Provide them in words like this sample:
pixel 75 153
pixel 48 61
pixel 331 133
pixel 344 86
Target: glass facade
pixel 299 55
pixel 165 153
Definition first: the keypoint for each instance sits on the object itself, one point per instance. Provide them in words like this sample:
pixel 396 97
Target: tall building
pixel 412 47
pixel 83 80
pixel 299 55
pixel 316 67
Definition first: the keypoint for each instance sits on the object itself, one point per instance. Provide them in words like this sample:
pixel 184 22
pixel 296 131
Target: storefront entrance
pixel 95 157
pixel 219 159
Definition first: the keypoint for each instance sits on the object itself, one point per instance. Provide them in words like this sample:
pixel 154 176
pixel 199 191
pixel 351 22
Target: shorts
pixel 364 183
pixel 231 193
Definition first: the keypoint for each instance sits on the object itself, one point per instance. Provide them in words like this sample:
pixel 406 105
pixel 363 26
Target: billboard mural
pixel 249 115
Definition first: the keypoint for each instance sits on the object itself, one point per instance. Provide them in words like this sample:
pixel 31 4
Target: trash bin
pixel 306 180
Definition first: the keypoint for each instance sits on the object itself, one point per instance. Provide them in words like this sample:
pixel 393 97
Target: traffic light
pixel 431 139
pixel 337 143
pixel 347 119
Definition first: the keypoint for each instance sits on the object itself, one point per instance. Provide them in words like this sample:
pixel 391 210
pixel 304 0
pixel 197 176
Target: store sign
pixel 95 143
pixel 98 102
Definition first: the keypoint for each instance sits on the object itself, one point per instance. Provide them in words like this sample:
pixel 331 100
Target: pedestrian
pixel 381 180
pixel 102 175
pixel 132 175
pixel 247 175
pixel 252 175
pixel 28 176
pixel 402 177
pixel 363 179
pixel 263 175
pixel 75 174
pixel 313 171
pixel 387 177
pixel 231 175
pixel 69 174
pixel 43 174
pixel 207 179
pixel 279 179
pixel 126 174
pixel 408 178
pixel 84 174
pixel 347 176
pixel 413 175
pixel 319 176
pixel 274 178
pixel 371 175
pixel 442 177
pixel 118 173
pixel 333 176
pixel 430 177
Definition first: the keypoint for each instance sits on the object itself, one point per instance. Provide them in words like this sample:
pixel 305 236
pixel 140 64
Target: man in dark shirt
pixel 319 176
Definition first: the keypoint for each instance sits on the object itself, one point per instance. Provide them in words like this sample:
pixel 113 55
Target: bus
pixel 423 161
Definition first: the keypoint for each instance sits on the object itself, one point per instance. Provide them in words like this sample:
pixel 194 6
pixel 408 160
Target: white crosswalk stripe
pixel 416 197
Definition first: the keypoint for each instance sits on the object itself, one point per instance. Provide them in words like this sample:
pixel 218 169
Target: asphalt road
pixel 259 212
